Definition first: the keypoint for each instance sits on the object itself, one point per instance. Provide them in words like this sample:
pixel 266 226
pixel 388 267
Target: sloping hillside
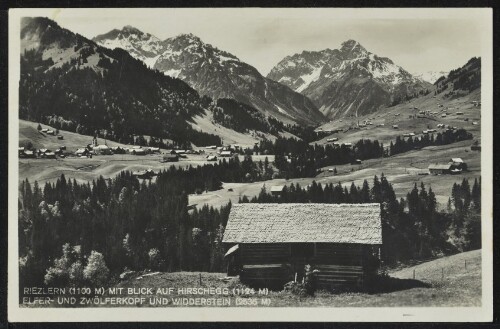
pixel 84 87
pixel 450 281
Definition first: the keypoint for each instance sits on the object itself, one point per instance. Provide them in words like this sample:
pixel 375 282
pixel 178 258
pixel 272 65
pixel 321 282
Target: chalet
pixel 145 174
pixel 137 150
pixel 118 150
pixel 20 151
pixel 49 155
pixel 277 190
pixel 102 149
pixel 29 154
pixel 60 137
pixel 226 154
pixel 212 147
pixel 395 126
pixel 211 158
pixel 333 139
pixel 475 147
pixel 356 162
pixel 347 144
pixel 459 113
pixel 82 152
pixel 458 164
pixel 44 130
pixel 439 169
pixel 51 132
pixel 270 244
pixel 154 150
pixel 170 158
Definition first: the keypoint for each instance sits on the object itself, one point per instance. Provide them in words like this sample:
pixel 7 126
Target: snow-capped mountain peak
pixel 352 49
pixel 143 46
pixel 319 74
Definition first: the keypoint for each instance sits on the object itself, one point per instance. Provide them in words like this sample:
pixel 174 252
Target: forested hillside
pixel 72 233
pixel 88 88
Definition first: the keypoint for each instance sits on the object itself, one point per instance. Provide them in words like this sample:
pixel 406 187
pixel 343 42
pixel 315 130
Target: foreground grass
pixel 442 282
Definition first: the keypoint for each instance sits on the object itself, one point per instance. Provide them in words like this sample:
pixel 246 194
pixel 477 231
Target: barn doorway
pixel 300 255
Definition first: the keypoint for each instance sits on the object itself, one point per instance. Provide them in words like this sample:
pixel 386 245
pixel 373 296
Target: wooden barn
pixel 270 244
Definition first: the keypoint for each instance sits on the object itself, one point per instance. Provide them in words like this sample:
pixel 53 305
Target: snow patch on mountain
pixel 309 78
pixel 431 76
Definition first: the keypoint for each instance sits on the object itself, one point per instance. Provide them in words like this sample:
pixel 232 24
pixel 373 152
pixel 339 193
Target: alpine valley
pixel 349 81
pixel 135 154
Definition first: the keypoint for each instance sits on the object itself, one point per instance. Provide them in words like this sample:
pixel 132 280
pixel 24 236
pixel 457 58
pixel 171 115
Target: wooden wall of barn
pixel 265 264
pixel 339 265
pixel 274 264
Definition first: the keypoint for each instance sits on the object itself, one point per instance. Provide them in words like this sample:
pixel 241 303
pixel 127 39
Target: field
pixel 402 170
pixel 449 281
pixel 400 115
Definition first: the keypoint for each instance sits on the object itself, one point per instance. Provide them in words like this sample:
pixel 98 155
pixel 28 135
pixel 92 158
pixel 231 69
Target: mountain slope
pixel 462 80
pixel 140 45
pixel 349 81
pixel 219 74
pixel 89 89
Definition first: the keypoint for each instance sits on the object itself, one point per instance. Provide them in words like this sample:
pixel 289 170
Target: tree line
pixel 72 233
pixel 107 227
pixel 412 227
pixel 446 137
pixel 297 158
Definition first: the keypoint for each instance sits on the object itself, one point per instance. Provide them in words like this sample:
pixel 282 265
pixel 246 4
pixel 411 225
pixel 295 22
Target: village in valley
pixel 173 185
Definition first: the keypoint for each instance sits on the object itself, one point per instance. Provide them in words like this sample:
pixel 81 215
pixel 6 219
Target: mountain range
pixel 148 86
pixel 81 86
pixel 348 81
pixel 214 72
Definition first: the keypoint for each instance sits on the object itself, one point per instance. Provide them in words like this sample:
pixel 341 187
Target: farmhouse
pixel 226 154
pixel 137 150
pixel 170 158
pixel 29 154
pixel 438 169
pixel 81 152
pixel 458 164
pixel 275 242
pixel 118 150
pixel 277 190
pixel 102 149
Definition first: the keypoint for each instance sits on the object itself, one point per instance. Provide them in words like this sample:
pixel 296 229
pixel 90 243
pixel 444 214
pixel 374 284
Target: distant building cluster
pixel 454 166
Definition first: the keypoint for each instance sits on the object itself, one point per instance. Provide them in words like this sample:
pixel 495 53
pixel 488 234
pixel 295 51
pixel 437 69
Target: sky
pixel 419 40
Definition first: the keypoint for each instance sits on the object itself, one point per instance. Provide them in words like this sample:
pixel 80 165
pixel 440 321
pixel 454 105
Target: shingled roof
pixel 304 222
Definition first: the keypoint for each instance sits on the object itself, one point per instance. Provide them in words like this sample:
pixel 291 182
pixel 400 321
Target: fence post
pixel 442 274
pixel 413 274
pixel 466 264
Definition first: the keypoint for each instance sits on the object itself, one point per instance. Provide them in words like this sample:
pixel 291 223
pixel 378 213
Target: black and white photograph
pixel 250 164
